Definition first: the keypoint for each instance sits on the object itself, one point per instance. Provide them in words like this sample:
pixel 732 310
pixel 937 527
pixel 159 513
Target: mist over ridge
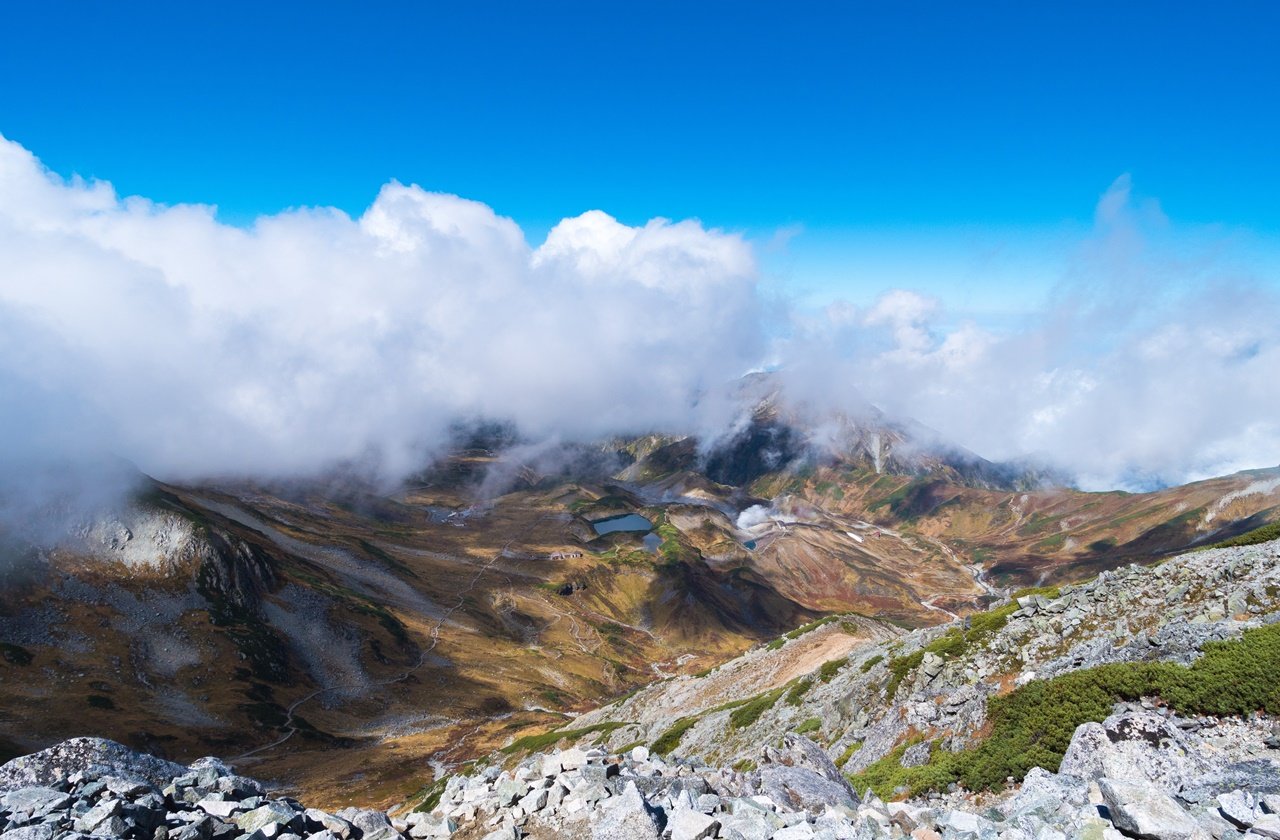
pixel 195 348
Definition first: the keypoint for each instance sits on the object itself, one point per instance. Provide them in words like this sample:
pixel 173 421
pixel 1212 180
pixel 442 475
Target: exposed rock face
pixel 1134 745
pixel 643 796
pixel 96 756
pixel 1140 810
pixel 1163 613
pixel 234 573
pixel 98 788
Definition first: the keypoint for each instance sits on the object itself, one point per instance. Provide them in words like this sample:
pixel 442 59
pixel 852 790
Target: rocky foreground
pixel 92 787
pixel 1142 773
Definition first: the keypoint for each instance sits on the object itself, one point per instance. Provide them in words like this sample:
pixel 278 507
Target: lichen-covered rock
pixel 97 756
pixel 1133 746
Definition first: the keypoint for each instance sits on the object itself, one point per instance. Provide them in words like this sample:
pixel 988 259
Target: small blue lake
pixel 626 522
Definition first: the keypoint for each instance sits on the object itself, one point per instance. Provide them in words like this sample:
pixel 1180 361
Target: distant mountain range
pixel 323 630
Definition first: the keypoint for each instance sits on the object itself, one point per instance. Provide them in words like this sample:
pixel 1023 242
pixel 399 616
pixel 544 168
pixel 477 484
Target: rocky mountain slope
pixel 328 631
pixel 1162 764
pixel 1150 759
pixel 930 690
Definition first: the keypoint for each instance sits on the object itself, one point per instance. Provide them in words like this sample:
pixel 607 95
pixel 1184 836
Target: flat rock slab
pixel 1146 812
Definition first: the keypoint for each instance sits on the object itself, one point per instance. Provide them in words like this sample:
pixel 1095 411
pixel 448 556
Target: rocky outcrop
pixel 932 685
pixel 94 756
pixel 91 787
pixel 1140 774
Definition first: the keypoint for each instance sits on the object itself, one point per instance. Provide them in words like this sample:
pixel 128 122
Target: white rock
pixel 799 831
pixel 1239 807
pixel 1268 825
pixel 687 824
pixel 1144 811
pixel 218 808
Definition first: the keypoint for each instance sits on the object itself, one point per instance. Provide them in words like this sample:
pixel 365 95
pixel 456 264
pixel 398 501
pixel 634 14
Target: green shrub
pixel 899 667
pixel 670 739
pixel 429 797
pixel 750 711
pixel 829 670
pixel 848 753
pixel 1032 726
pixel 813 724
pixel 871 663
pixel 533 743
pixel 798 691
pixel 744 765
pixel 1266 533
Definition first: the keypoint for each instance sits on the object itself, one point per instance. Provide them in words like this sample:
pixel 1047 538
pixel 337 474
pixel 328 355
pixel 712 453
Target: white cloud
pixel 196 348
pixel 1149 364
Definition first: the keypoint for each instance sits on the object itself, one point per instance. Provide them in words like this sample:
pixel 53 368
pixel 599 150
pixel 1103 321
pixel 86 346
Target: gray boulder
pixel 373 825
pixel 626 817
pixel 1268 825
pixel 30 802
pixel 43 831
pixel 1136 746
pixel 799 788
pixel 91 756
pixel 1143 811
pixel 272 813
pixel 687 824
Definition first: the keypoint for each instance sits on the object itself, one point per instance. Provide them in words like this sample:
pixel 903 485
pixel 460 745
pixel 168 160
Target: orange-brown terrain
pixel 320 634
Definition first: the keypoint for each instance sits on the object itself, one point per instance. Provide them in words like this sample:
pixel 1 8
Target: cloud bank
pixel 195 348
pixel 199 349
pixel 1152 363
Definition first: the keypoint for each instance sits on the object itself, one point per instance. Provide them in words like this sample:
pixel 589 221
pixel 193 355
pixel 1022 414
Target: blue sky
pixel 1038 228
pixel 895 140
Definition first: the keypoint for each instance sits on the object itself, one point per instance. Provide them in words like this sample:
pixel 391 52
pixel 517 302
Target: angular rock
pixel 1146 812
pixel 430 826
pixel 687 824
pixel 372 825
pixel 1268 825
pixel 30 802
pixel 1133 746
pixel 270 814
pixel 219 807
pixel 43 831
pixel 799 788
pixel 90 756
pixel 1239 807
pixel 799 831
pixel 626 817
pixel 329 822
